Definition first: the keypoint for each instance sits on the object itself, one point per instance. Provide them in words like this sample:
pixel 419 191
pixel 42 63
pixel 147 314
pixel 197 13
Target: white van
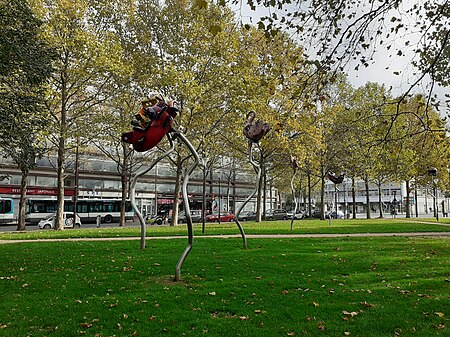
pixel 68 218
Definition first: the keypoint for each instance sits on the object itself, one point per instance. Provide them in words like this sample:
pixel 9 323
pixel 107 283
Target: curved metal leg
pixel 133 189
pixel 187 209
pixel 294 199
pixel 258 171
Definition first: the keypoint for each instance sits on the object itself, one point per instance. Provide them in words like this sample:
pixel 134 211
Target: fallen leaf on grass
pixel 440 314
pixel 243 318
pixel 292 333
pixel 152 318
pixel 135 333
pixel 346 333
pixel 321 326
pixel 440 326
pixel 349 314
pixel 285 292
pixel 368 305
pixel 316 304
pixel 213 293
pixel 86 325
pixel 3 326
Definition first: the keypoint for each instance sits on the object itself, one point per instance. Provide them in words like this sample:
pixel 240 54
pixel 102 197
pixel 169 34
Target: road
pixel 11 227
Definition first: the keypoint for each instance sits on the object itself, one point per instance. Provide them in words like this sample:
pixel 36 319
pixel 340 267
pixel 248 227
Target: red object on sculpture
pixel 151 125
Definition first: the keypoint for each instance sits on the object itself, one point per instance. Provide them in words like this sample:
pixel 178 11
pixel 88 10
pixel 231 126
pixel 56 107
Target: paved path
pixel 249 236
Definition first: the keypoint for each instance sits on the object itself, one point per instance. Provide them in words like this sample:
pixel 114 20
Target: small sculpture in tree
pixel 294 165
pixel 153 121
pixel 335 179
pixel 254 131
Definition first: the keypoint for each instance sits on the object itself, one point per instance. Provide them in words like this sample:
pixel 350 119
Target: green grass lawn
pixel 268 227
pixel 363 287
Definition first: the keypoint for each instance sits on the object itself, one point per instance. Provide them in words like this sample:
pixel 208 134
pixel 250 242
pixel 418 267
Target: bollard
pixel 99 220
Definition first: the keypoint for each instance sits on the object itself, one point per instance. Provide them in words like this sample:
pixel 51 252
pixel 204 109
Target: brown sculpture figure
pixel 255 130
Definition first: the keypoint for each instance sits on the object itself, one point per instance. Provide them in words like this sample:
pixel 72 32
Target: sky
pixel 381 69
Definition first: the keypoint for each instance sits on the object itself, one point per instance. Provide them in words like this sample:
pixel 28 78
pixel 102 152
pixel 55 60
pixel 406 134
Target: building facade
pixel 226 188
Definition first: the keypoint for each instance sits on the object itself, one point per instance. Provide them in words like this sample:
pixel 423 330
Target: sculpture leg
pixel 187 209
pixel 258 170
pixel 133 189
pixel 294 199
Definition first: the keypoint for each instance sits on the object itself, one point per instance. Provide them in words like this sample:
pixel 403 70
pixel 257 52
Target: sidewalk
pixel 249 236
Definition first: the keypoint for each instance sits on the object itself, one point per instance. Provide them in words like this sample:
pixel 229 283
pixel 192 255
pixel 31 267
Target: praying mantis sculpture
pixel 151 124
pixel 254 131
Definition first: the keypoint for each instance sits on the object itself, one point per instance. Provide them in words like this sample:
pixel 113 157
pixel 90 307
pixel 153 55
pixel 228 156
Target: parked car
pixel 277 214
pixel 334 215
pixel 196 216
pixel 298 215
pixel 155 219
pixel 315 214
pixel 68 218
pixel 247 216
pixel 224 217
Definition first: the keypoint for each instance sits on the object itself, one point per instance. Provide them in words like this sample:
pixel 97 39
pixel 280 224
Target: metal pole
pixel 436 205
pixel 294 199
pixel 258 172
pixel 187 209
pixel 133 188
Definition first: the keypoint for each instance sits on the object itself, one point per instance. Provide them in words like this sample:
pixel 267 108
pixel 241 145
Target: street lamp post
pixel 394 204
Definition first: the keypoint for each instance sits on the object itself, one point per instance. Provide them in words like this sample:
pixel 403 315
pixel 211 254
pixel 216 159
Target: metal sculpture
pixel 151 124
pixel 254 131
pixel 335 179
pixel 294 165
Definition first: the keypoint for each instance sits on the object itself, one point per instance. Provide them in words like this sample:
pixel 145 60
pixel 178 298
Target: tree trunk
pixel 380 201
pixel 353 198
pixel 322 196
pixel 204 200
pixel 309 194
pixel 408 192
pixel 124 175
pixel 416 206
pixel 259 196
pixel 264 205
pixel 366 183
pixel 23 198
pixel 59 224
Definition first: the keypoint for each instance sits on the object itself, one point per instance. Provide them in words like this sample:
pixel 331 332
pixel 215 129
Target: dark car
pixel 196 216
pixel 277 214
pixel 247 216
pixel 316 214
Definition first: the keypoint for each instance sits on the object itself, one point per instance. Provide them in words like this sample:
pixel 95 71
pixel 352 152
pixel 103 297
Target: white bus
pixel 6 210
pixel 87 209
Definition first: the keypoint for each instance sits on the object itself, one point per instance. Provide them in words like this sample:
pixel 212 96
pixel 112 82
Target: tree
pixel 82 70
pixel 343 32
pixel 25 65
